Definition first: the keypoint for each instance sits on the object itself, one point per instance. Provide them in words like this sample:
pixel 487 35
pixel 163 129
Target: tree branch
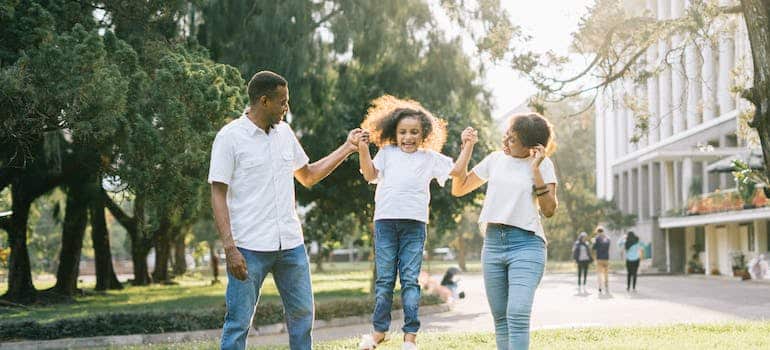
pixel 125 220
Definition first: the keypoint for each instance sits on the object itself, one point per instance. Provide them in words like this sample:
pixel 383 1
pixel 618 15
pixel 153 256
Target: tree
pixel 55 74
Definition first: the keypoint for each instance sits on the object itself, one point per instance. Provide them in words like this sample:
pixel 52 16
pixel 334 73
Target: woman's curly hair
pixel 386 111
pixel 533 129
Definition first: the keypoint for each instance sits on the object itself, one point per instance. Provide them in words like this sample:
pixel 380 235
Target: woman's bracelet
pixel 535 189
pixel 542 193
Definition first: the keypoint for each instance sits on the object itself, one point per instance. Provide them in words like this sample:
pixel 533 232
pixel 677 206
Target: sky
pixel 550 23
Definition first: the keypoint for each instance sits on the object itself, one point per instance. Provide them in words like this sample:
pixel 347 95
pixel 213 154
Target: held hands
pixel 469 136
pixel 354 137
pixel 236 264
pixel 536 156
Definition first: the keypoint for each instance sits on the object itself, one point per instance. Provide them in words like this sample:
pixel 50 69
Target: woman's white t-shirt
pixel 403 182
pixel 510 199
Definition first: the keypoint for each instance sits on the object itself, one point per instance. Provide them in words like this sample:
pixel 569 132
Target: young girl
pixel 522 184
pixel 409 140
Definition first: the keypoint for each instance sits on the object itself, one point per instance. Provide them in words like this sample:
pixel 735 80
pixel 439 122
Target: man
pixel 601 252
pixel 254 161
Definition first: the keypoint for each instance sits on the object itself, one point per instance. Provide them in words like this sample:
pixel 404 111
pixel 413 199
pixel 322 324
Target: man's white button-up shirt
pixel 258 168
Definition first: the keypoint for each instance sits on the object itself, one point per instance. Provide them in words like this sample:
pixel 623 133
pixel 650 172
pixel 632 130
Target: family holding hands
pixel 256 158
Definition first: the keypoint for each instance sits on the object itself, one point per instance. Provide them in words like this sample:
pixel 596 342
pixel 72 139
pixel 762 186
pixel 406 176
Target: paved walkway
pixel 659 300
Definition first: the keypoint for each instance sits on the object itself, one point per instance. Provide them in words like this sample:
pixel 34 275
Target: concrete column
pixel 653 104
pixel 640 194
pixel 664 79
pixel 601 147
pixel 628 92
pixel 668 251
pixel 725 79
pixel 622 196
pixel 641 94
pixel 616 130
pixel 723 176
pixel 687 173
pixel 630 199
pixel 708 82
pixel 611 149
pixel 707 248
pixel 664 97
pixel 679 104
pixel 692 71
pixel 669 186
pixel 653 189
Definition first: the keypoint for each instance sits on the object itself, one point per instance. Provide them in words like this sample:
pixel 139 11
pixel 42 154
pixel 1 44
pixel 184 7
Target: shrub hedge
pixel 176 321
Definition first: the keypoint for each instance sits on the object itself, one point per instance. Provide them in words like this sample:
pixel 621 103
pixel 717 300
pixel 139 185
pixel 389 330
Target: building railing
pixel 722 201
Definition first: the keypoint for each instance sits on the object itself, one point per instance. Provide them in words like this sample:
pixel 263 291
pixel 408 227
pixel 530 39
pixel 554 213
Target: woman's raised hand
pixel 536 155
pixel 469 136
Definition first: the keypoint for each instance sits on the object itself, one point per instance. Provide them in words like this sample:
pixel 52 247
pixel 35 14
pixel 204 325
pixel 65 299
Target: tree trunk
pixel 214 262
pixel 100 236
pixel 75 221
pixel 162 252
pixel 461 252
pixel 180 261
pixel 140 245
pixel 756 13
pixel 319 260
pixel 20 287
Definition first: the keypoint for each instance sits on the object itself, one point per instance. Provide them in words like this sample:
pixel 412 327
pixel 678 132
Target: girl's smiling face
pixel 409 134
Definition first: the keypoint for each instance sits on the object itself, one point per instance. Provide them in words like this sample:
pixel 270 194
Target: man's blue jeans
pixel 398 246
pixel 513 261
pixel 291 272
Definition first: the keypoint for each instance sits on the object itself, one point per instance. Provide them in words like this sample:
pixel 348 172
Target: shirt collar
pixel 252 128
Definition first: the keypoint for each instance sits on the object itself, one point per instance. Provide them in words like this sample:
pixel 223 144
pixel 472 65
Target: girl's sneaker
pixel 367 342
pixel 409 346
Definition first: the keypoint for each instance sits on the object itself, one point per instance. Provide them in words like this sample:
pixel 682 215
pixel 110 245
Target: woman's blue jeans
pixel 398 246
pixel 513 261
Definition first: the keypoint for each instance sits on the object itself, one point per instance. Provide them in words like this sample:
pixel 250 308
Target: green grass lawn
pixel 750 335
pixel 189 293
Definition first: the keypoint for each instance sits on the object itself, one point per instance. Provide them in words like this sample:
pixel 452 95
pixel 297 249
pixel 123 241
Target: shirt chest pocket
pixel 250 165
pixel 287 156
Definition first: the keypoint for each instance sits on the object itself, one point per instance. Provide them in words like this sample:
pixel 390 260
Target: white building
pixel 692 124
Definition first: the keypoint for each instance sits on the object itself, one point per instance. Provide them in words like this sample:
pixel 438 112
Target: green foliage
pixel 747 179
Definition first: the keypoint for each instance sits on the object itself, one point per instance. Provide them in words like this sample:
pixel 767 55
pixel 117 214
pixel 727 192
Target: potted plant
pixel 694 265
pixel 759 200
pixel 748 179
pixel 739 265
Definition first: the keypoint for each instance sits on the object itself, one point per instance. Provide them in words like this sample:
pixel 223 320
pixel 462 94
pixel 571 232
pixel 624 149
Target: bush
pixel 176 321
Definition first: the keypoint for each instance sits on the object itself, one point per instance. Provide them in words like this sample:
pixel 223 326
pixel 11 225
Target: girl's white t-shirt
pixel 403 182
pixel 510 199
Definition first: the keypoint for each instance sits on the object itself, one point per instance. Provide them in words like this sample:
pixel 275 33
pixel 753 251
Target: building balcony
pixel 719 207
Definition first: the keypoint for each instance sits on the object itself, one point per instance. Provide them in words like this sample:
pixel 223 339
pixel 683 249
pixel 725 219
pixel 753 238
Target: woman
pixel 522 184
pixel 581 252
pixel 634 253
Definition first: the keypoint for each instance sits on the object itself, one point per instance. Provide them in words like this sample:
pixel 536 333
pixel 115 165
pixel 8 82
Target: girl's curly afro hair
pixel 386 111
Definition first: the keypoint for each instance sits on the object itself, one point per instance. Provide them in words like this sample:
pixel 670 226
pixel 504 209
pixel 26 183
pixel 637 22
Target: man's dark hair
pixel 263 84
